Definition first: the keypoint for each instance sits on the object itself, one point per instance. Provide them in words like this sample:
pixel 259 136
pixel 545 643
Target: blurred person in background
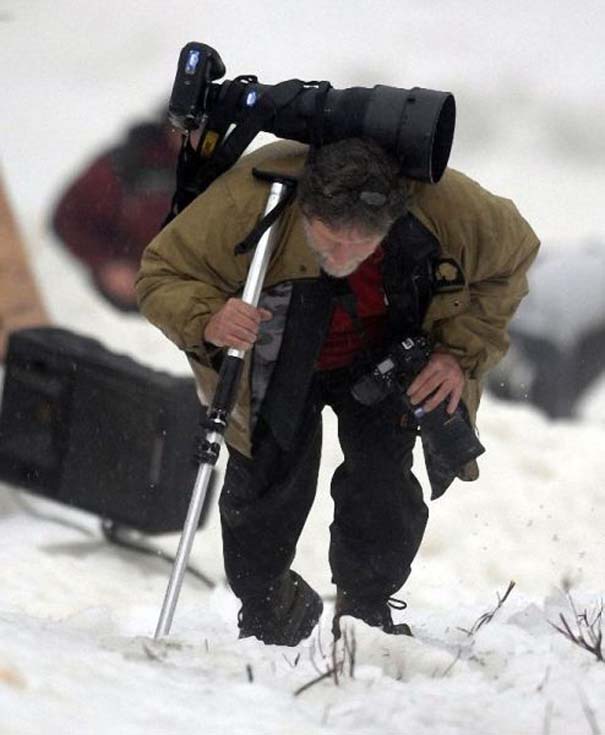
pixel 558 334
pixel 116 205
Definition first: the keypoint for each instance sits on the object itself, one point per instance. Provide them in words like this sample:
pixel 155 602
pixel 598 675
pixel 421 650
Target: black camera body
pixel 449 440
pixel 395 372
pixel 416 125
pixel 198 66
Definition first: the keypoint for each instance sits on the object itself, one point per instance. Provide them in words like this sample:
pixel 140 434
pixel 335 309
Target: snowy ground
pixel 77 615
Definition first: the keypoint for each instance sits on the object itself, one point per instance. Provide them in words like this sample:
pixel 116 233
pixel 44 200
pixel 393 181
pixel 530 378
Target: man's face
pixel 339 251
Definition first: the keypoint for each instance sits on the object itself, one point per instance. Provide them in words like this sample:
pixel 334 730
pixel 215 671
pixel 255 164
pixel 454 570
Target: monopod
pixel 217 416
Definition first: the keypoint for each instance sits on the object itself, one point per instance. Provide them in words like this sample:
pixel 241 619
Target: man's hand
pixel 441 378
pixel 236 325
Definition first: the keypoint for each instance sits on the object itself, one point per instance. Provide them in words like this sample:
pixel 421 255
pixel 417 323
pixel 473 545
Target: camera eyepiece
pixel 198 66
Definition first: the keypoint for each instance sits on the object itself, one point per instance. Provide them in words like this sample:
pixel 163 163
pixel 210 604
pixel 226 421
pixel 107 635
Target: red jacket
pixel 116 205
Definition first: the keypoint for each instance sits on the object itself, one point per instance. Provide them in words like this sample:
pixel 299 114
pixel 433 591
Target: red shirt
pixel 343 341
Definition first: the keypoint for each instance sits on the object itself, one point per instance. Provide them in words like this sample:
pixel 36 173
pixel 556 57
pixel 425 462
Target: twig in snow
pixel 292 664
pixel 317 679
pixel 488 616
pixel 312 659
pixel 335 666
pixel 589 630
pixel 320 642
pixel 335 663
pixel 350 650
pixel 454 662
pixel 542 684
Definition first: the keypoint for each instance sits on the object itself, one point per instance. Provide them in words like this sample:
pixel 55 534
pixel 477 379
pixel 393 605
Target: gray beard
pixel 342 272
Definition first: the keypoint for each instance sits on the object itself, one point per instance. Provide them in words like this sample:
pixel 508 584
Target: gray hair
pixel 352 183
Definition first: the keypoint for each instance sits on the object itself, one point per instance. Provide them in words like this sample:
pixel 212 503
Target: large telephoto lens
pixel 416 125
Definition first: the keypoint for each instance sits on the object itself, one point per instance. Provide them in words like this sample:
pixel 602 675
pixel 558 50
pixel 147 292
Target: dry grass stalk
pixel 342 658
pixel 488 616
pixel 589 629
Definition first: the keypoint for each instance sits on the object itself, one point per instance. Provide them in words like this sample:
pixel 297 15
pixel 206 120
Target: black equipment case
pixel 96 430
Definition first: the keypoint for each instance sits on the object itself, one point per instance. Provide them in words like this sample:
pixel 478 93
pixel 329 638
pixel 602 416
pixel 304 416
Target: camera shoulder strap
pixel 410 250
pixel 196 173
pixel 290 183
pixel 245 132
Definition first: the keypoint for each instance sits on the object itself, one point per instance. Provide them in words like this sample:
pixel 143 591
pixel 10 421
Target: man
pixel 362 258
pixel 113 208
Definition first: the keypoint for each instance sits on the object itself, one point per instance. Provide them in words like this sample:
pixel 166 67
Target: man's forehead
pixel 350 235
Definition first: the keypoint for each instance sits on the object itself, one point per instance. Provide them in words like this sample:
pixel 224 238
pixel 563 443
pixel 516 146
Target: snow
pixel 77 614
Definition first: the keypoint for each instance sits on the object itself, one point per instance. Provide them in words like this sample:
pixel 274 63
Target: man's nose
pixel 340 255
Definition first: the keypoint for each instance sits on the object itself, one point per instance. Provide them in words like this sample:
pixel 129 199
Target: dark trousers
pixel 379 512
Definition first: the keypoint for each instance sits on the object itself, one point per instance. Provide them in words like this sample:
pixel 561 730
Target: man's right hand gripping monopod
pixel 448 440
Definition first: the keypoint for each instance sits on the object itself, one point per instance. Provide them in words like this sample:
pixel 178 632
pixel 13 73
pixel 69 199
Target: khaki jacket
pixel 189 270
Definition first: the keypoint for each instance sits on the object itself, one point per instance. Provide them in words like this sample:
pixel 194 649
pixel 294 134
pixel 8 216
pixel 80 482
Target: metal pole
pixel 251 295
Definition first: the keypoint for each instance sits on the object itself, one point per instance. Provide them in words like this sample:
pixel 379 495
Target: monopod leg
pixel 217 421
pixel 184 551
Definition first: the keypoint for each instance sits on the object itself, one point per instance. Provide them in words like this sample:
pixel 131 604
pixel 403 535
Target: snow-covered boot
pixel 372 610
pixel 283 615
